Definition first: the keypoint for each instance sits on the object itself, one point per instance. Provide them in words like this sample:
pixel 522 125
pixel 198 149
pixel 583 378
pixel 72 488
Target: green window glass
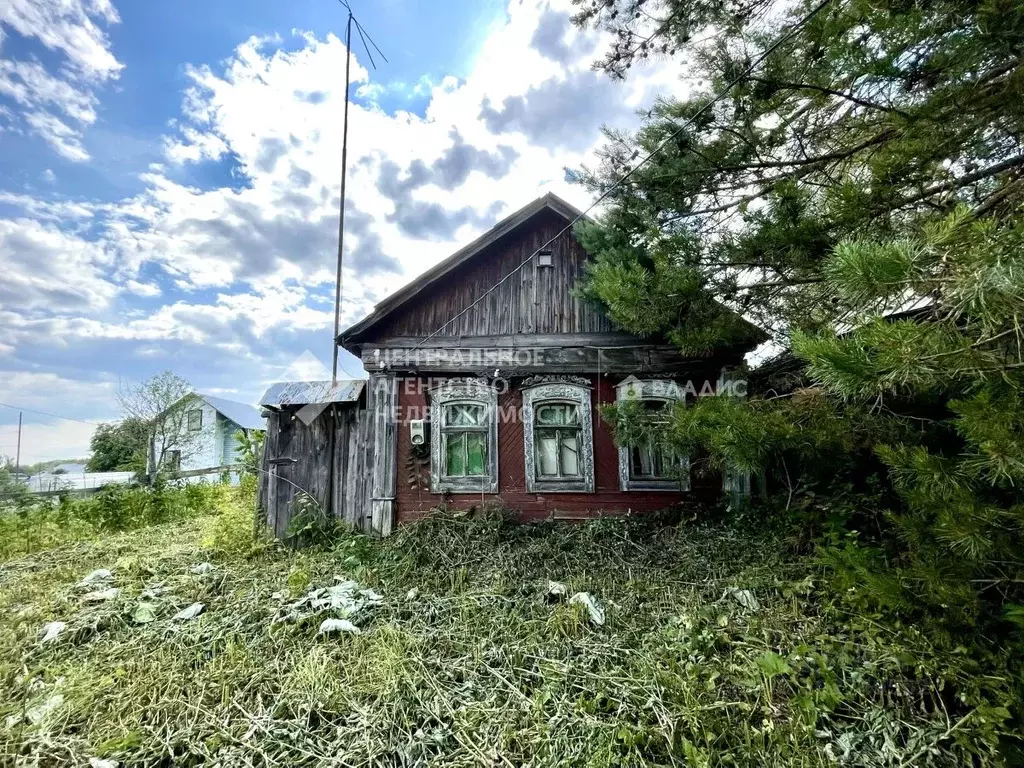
pixel 464 433
pixel 557 440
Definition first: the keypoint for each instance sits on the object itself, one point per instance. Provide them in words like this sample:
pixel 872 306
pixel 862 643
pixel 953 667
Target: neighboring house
pixel 492 402
pixel 199 433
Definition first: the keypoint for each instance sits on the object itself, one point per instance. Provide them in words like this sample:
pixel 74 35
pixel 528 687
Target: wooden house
pixel 486 375
pixel 197 436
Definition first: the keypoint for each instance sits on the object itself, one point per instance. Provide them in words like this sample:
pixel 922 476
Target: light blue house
pixel 198 433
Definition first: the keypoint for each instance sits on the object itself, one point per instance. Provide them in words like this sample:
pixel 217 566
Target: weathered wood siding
pixel 382 403
pixel 331 459
pixel 305 449
pixel 413 487
pixel 535 300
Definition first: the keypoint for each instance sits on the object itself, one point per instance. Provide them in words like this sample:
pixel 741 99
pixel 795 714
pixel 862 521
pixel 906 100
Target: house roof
pixel 383 308
pixel 243 415
pixel 309 392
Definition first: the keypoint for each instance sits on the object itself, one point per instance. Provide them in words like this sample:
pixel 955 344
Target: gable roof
pixel 243 415
pixel 385 307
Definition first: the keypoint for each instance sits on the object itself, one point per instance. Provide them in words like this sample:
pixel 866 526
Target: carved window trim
pixel 569 391
pixel 469 392
pixel 665 391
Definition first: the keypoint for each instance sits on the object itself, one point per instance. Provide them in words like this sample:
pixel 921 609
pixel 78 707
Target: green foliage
pixel 250 450
pixel 859 196
pixel 310 525
pixel 234 528
pixel 43 523
pixel 119 447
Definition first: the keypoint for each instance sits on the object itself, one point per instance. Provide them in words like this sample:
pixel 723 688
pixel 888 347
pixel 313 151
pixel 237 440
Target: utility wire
pixel 45 413
pixel 721 94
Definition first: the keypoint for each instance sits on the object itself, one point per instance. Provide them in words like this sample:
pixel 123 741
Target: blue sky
pixel 169 178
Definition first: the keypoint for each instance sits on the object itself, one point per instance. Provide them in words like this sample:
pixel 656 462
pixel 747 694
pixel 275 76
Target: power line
pixel 51 415
pixel 671 137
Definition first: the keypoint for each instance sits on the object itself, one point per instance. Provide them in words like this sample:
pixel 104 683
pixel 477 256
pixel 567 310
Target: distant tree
pixel 162 402
pixel 119 446
pixel 13 491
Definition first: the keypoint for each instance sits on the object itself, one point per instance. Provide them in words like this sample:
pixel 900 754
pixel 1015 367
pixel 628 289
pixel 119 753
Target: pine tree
pixel 872 164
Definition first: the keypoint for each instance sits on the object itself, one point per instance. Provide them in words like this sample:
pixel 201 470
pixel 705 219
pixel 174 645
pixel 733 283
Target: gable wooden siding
pixel 535 300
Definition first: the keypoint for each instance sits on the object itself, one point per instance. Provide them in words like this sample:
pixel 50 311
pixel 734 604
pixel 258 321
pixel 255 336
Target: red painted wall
pixel 415 499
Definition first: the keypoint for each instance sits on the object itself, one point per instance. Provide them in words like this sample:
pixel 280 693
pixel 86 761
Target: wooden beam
pixel 514 340
pixel 511 361
pixel 382 403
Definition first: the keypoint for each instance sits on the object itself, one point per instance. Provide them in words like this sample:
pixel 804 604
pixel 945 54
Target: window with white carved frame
pixel 558 434
pixel 650 465
pixel 464 437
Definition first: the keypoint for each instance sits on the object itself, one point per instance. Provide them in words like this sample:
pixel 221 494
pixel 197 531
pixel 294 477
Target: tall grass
pixel 469 660
pixel 33 526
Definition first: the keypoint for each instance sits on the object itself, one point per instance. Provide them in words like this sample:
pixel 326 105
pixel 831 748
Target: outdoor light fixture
pixel 545 258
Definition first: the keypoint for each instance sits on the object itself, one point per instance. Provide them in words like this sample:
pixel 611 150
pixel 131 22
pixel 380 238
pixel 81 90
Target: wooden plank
pixel 353 471
pixel 382 405
pixel 511 361
pixel 360 468
pixel 529 301
pixel 612 339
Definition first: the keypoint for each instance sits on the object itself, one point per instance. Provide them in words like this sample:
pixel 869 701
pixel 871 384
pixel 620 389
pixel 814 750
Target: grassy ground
pixel 466 660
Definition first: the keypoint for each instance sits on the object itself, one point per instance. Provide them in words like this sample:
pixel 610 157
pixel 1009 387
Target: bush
pixel 234 529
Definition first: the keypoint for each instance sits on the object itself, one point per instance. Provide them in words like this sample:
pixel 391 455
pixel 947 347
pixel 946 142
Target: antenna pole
pixel 341 216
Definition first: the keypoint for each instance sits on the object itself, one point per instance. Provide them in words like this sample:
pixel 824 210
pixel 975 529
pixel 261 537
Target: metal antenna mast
pixel 364 36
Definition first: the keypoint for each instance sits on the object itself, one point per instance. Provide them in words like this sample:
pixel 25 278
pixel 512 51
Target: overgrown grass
pixel 33 525
pixel 468 660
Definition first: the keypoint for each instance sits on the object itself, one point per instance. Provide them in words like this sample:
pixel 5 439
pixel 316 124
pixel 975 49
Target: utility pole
pixel 17 455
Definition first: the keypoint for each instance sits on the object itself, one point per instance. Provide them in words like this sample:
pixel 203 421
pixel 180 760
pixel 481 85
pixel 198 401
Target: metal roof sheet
pixel 245 416
pixel 307 392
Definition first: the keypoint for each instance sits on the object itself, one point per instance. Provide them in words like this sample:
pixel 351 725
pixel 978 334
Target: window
pixel 464 446
pixel 651 466
pixel 558 432
pixel 195 420
pixel 172 461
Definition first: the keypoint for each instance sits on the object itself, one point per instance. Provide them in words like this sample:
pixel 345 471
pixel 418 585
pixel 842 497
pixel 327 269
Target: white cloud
pixel 143 289
pixel 276 112
pixel 45 437
pixel 64 139
pixel 70 28
pixel 49 270
pixel 247 270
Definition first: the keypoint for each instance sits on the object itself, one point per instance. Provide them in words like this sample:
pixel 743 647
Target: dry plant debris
pixel 453 643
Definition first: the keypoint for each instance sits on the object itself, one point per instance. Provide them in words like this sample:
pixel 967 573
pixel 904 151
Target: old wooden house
pixel 486 375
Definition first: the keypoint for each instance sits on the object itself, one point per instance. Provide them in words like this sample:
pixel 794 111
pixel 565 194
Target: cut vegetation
pixel 462 642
